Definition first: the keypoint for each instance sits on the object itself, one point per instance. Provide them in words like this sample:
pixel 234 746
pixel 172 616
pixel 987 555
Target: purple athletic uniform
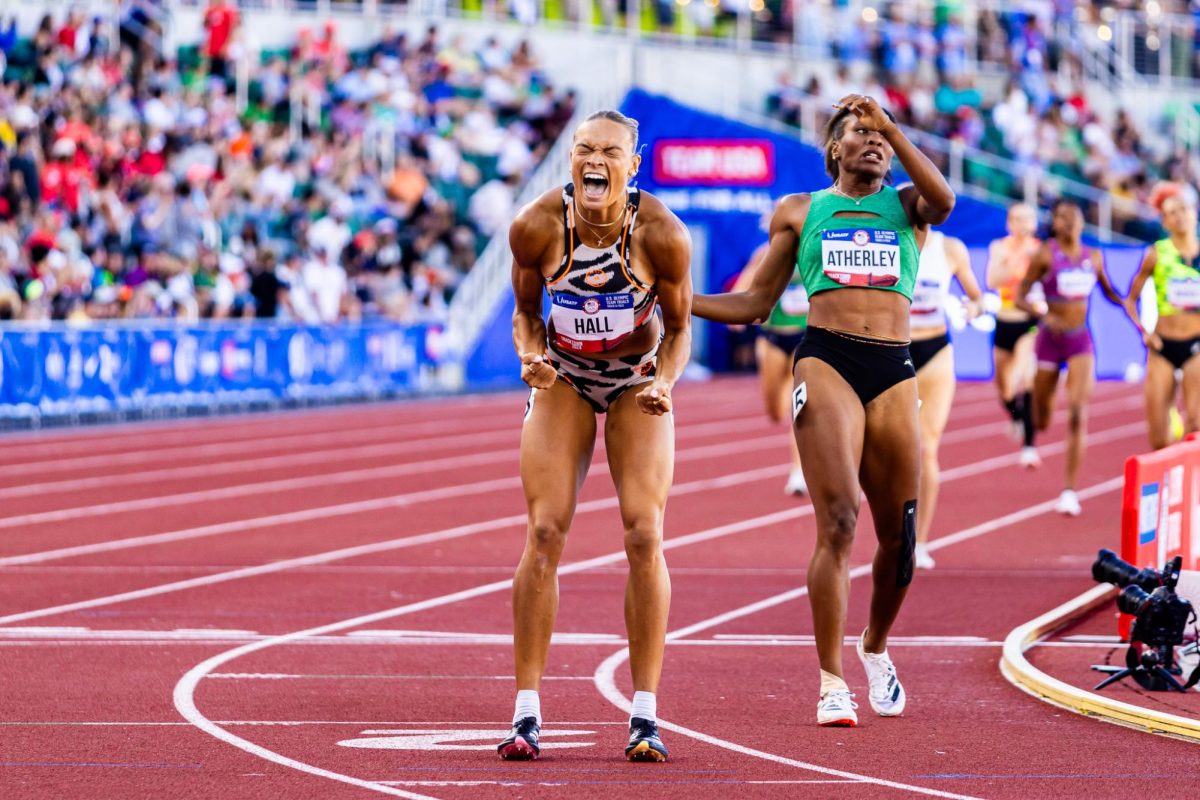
pixel 1069 280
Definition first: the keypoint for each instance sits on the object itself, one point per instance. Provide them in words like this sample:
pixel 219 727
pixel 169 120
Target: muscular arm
pixel 670 251
pixel 960 265
pixel 1037 268
pixel 528 238
pixel 772 275
pixel 929 199
pixel 1149 262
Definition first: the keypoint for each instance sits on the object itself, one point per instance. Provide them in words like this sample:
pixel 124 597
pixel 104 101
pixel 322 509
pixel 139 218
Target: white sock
pixel 645 705
pixel 528 705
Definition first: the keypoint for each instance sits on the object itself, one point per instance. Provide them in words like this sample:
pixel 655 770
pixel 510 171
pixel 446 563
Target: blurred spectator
pixel 133 184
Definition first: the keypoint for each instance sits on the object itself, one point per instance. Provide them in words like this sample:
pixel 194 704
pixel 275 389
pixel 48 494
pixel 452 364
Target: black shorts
pixel 1179 351
pixel 1007 334
pixel 787 342
pixel 923 350
pixel 870 366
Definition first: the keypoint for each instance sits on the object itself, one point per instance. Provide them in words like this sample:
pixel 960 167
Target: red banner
pixel 714 162
pixel 1160 510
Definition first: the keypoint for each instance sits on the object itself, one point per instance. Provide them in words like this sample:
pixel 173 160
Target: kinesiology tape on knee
pixel 908 545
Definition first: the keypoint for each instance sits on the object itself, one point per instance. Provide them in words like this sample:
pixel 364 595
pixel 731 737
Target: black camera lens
pixel 1110 568
pixel 1132 599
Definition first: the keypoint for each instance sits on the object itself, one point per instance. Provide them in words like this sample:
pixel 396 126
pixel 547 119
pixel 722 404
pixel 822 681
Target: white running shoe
pixel 835 709
pixel 922 558
pixel 1068 503
pixel 1029 458
pixel 795 482
pixel 886 695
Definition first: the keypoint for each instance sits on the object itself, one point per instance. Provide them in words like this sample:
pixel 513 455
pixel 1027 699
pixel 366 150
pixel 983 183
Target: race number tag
pixel 861 257
pixel 592 319
pixel 1184 293
pixel 1076 284
pixel 927 297
pixel 794 301
pixel 799 398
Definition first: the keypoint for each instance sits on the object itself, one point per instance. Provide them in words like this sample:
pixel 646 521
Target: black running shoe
pixel 644 742
pixel 522 742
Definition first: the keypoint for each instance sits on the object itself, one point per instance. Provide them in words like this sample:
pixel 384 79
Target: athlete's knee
pixel 837 524
pixel 547 537
pixel 1076 418
pixel 643 538
pixel 929 457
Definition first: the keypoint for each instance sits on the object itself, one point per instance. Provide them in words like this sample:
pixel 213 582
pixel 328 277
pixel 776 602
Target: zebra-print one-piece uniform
pixel 596 303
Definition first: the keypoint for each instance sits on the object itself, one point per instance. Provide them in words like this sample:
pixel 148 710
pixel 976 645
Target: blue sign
pixel 115 368
pixel 1148 514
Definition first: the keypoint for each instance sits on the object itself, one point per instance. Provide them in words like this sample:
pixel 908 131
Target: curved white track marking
pixel 605 675
pixel 707 484
pixel 184 694
pixel 360 506
pixel 185 690
pixel 955 473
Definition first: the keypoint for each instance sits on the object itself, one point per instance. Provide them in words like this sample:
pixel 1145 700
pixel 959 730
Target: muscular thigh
pixel 891 449
pixel 775 369
pixel 829 433
pixel 557 440
pixel 935 387
pixel 641 456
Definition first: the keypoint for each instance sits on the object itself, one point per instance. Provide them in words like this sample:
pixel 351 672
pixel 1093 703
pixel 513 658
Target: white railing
pixel 484 286
pixel 956 160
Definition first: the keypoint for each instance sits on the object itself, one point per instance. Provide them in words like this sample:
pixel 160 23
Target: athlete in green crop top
pixel 856 245
pixel 1173 264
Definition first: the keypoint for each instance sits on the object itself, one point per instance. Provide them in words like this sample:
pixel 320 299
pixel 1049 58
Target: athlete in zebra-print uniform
pixel 608 255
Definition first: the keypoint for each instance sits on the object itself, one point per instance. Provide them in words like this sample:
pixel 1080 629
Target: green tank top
pixel 879 252
pixel 791 312
pixel 1176 282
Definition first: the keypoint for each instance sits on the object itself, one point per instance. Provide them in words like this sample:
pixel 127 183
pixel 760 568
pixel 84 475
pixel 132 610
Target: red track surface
pixel 153 580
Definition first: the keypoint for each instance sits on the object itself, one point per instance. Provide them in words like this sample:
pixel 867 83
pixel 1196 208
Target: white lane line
pixel 465 530
pixel 185 689
pixel 290 676
pixel 340 453
pixel 340 509
pixel 605 676
pixel 278 723
pixel 190 449
pixel 998 429
pixel 736 479
pixel 353 476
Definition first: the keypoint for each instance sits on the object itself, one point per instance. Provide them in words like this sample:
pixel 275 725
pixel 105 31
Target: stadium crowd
pixel 923 66
pixel 346 184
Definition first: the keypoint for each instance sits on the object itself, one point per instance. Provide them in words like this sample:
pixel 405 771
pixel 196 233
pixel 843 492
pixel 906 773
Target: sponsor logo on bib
pixel 1076 284
pixel 603 318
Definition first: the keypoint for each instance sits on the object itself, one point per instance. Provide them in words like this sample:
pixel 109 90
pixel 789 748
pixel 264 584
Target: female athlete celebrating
pixel 942 258
pixel 607 254
pixel 1068 272
pixel 1174 265
pixel 778 337
pixel 856 245
pixel 1012 343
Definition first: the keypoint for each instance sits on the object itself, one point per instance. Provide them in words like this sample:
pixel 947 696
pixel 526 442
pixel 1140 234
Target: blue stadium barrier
pixel 148 369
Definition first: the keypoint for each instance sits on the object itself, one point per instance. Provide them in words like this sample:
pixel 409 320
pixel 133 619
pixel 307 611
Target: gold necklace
pixel 857 200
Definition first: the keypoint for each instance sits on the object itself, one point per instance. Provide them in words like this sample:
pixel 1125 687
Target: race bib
pixel 1076 284
pixel 1184 293
pixel 927 298
pixel 861 256
pixel 794 301
pixel 591 319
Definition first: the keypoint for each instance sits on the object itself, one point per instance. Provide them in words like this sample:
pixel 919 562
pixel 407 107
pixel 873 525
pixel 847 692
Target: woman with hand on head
pixel 854 406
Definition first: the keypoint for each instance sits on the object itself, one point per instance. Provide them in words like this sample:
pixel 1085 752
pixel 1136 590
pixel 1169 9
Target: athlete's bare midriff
pixel 864 312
